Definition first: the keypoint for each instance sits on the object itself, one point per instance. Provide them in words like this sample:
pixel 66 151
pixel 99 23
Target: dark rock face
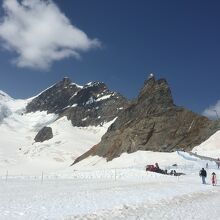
pixel 153 122
pixel 44 134
pixel 54 99
pixel 92 104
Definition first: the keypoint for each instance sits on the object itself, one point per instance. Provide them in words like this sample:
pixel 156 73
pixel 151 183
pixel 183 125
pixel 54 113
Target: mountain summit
pixel 153 122
pixel 55 98
pixel 91 104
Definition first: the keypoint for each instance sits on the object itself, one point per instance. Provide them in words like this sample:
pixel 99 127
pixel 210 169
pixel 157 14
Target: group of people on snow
pixel 203 175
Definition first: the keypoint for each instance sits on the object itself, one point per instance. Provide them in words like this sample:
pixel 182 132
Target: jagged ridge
pixel 153 122
pixel 92 104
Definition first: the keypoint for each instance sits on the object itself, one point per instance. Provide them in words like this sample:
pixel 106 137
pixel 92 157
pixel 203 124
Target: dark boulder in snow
pixel 44 134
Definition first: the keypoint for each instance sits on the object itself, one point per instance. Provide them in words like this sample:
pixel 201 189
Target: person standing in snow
pixel 218 163
pixel 214 179
pixel 207 165
pixel 203 174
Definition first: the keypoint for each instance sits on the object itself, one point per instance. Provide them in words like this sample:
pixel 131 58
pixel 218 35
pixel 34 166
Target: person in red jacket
pixel 214 180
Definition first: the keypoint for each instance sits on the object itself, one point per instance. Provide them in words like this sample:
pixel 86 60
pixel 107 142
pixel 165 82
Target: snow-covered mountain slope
pixel 7 105
pixel 20 153
pixel 210 147
pixel 14 105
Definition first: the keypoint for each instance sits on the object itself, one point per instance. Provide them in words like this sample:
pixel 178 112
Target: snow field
pixel 132 194
pixel 198 206
pixel 20 153
pixel 119 189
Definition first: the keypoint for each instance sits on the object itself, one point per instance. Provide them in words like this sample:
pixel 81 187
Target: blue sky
pixel 125 41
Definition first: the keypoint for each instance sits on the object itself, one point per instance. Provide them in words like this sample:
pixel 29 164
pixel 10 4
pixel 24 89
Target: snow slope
pixel 112 193
pixel 9 105
pixel 18 151
pixel 210 147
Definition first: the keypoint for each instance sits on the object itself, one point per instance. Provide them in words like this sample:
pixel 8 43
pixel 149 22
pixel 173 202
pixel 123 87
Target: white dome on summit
pixel 151 75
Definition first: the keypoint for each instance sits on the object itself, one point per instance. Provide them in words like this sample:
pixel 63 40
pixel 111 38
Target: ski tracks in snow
pixel 156 197
pixel 199 206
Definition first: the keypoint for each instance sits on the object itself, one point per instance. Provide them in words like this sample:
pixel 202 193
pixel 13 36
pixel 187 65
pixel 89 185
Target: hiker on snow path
pixel 203 174
pixel 218 163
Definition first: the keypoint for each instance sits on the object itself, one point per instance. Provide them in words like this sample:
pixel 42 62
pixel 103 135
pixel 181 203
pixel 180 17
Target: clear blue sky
pixel 176 40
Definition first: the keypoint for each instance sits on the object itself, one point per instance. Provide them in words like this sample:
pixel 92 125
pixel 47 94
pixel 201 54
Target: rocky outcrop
pixel 44 134
pixel 153 122
pixel 91 104
pixel 55 98
pixel 94 104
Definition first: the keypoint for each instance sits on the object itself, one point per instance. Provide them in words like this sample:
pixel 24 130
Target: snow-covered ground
pixel 109 191
pixel 19 153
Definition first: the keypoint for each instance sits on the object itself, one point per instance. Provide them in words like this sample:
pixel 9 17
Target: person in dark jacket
pixel 218 163
pixel 203 174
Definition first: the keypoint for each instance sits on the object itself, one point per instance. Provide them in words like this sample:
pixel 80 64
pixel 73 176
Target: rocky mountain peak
pixel 94 104
pixel 96 84
pixel 156 92
pixel 54 98
pixel 90 93
pixel 152 122
pixel 91 104
pixel 66 81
